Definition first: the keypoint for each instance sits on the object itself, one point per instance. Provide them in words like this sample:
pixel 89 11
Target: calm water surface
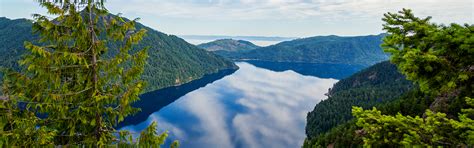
pixel 252 107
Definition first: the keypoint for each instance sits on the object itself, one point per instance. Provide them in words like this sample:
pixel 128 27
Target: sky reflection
pixel 253 107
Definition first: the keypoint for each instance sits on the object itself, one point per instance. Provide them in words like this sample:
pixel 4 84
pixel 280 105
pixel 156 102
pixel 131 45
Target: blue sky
pixel 290 18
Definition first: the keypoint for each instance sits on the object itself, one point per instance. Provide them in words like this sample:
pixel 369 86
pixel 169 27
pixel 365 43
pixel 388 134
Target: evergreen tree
pixel 440 59
pixel 433 130
pixel 69 92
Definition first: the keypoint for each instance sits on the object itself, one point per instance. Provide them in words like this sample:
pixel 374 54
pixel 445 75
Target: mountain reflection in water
pixel 336 71
pixel 154 101
pixel 253 107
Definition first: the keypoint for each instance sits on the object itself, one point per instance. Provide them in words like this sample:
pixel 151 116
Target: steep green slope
pixel 171 61
pixel 12 35
pixel 346 134
pixel 377 84
pixel 381 86
pixel 228 45
pixel 359 50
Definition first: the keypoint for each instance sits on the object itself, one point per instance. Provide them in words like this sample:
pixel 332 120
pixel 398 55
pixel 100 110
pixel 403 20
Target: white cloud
pixel 277 104
pixel 294 18
pixel 211 115
pixel 443 10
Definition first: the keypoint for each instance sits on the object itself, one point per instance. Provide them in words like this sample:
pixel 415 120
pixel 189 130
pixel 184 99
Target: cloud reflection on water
pixel 254 107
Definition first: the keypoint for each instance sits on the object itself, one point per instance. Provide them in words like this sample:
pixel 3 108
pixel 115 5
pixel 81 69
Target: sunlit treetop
pixel 58 7
pixel 438 57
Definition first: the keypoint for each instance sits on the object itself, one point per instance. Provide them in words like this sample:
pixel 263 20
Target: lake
pixel 255 106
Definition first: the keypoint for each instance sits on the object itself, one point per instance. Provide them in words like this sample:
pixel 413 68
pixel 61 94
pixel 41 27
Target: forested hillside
pixel 12 35
pixel 381 85
pixel 359 50
pixel 377 84
pixel 228 45
pixel 229 48
pixel 171 61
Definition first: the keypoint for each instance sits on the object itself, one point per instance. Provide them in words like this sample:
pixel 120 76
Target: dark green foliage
pixel 433 129
pixel 440 59
pixel 340 136
pixel 361 50
pixel 375 85
pixel 12 35
pixel 172 61
pixel 412 103
pixel 228 45
pixel 67 93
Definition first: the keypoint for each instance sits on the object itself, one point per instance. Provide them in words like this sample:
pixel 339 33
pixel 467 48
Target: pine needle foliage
pixel 433 130
pixel 440 59
pixel 68 93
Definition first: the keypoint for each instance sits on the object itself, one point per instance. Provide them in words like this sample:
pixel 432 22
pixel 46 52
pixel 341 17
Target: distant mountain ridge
pixel 254 38
pixel 357 50
pixel 172 61
pixel 228 45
